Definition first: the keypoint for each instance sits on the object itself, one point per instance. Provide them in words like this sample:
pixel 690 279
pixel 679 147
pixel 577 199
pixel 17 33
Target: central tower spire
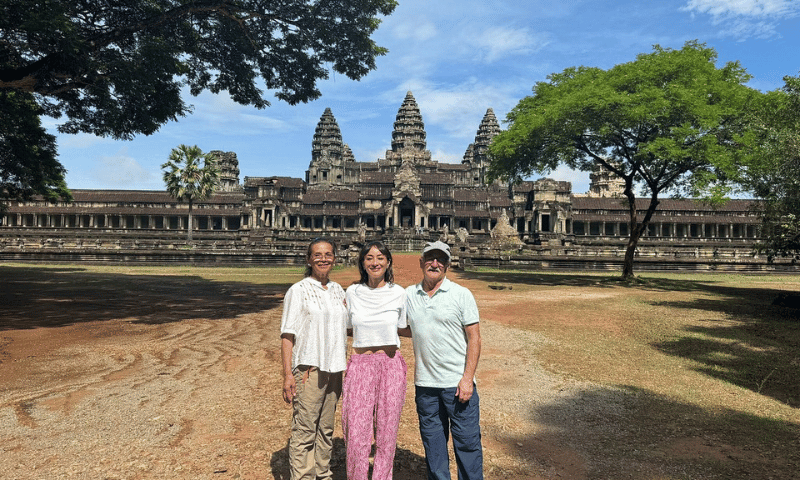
pixel 408 136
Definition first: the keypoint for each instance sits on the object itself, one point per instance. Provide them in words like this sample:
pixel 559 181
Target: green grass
pixel 702 356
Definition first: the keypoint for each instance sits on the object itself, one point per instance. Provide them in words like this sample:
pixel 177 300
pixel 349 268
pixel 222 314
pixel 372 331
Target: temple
pixel 405 198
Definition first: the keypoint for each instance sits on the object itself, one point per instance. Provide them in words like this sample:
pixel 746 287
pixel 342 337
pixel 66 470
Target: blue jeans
pixel 440 413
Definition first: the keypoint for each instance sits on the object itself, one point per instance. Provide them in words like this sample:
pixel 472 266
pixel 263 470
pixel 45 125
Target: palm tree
pixel 187 180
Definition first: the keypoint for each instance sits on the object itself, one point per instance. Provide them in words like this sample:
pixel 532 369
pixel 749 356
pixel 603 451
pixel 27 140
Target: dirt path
pixel 176 392
pixel 200 398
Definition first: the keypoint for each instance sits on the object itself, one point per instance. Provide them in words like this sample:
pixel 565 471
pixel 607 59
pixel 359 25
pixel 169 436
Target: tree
pixel 773 174
pixel 118 68
pixel 28 164
pixel 667 122
pixel 187 180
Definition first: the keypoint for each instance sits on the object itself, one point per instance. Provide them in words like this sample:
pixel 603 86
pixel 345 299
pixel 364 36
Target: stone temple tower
pixel 604 183
pixel 228 165
pixel 408 136
pixel 329 154
pixel 477 154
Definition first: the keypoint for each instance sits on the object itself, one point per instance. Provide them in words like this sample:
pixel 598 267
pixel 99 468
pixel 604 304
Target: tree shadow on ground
pixel 626 432
pixel 407 465
pixel 756 347
pixel 535 278
pixel 54 297
pixel 609 279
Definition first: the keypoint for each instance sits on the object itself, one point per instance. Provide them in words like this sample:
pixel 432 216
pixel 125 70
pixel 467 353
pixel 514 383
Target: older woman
pixel 375 381
pixel 314 350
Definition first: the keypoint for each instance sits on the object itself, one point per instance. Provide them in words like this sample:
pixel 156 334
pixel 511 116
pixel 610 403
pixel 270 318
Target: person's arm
pixel 403 327
pixel 466 385
pixel 289 384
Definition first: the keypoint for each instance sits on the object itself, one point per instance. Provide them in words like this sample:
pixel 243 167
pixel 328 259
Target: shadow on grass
pixel 53 297
pixel 407 465
pixel 604 433
pixel 757 347
pixel 607 279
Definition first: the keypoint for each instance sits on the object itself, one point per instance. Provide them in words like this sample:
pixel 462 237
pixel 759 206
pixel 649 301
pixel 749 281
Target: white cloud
pixel 495 43
pixel 447 156
pixel 743 29
pixel 748 8
pixel 743 19
pixel 80 140
pixel 124 171
pixel 415 30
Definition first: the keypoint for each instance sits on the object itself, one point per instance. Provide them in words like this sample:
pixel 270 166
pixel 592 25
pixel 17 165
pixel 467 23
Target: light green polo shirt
pixel 437 325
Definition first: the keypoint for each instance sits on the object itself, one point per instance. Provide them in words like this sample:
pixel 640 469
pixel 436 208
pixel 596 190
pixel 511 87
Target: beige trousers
pixel 314 416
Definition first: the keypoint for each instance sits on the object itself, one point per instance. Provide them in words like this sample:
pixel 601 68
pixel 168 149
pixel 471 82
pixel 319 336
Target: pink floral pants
pixel 374 388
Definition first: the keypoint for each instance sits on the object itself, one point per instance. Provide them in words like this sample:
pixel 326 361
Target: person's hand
pixel 464 390
pixel 289 388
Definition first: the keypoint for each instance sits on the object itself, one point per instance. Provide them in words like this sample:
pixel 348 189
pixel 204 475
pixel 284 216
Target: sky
pixel 458 58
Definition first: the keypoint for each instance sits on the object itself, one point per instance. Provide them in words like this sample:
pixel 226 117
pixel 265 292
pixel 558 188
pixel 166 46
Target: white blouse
pixel 316 316
pixel 375 314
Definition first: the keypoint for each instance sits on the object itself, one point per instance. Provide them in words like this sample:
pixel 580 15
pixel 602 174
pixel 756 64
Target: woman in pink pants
pixel 375 380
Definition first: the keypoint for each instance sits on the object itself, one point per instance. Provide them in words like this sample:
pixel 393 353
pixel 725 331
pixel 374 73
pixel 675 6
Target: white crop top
pixel 375 314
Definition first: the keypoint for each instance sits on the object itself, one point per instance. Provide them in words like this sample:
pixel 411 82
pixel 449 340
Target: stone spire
pixel 348 156
pixel 477 154
pixel 409 130
pixel 228 165
pixel 605 183
pixel 327 143
pixel 469 155
pixel 487 130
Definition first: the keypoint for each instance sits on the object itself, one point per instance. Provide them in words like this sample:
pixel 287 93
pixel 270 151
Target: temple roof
pixel 327 142
pixel 666 204
pixel 409 129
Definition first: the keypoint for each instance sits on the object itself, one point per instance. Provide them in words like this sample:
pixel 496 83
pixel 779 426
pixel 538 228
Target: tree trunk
pixel 637 230
pixel 630 251
pixel 189 238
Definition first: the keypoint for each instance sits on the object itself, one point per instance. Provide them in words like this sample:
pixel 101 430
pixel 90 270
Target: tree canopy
pixel 28 163
pixel 119 68
pixel 667 122
pixel 774 172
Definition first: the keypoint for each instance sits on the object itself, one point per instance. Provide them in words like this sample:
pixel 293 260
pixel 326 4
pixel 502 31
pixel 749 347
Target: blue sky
pixel 458 57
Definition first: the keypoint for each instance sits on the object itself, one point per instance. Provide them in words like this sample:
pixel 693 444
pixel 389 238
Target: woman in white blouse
pixel 375 381
pixel 314 351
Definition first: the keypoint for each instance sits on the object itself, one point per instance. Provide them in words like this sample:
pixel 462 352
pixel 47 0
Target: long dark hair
pixel 308 271
pixel 389 275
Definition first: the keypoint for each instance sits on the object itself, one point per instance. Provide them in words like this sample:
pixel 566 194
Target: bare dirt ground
pixel 181 379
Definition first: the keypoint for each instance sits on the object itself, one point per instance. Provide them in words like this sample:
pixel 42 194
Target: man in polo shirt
pixel 443 318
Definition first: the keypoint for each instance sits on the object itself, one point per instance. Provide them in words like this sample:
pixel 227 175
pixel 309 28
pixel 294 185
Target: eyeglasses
pixel 441 259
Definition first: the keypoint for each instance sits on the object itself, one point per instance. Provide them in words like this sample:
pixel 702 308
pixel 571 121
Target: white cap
pixel 438 245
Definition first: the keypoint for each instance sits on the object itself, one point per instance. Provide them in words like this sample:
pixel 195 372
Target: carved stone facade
pixel 404 195
pixel 228 165
pixel 404 192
